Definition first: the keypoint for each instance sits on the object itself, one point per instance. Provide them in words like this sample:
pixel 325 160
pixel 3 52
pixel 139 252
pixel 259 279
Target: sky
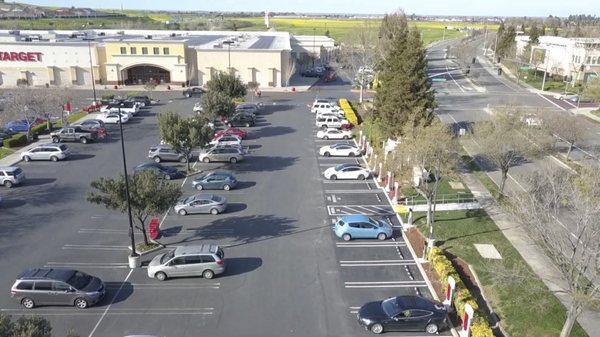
pixel 540 8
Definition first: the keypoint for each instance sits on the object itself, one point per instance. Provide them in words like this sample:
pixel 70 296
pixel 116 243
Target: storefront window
pixel 133 51
pixel 123 50
pixel 156 50
pixel 145 50
pixel 166 51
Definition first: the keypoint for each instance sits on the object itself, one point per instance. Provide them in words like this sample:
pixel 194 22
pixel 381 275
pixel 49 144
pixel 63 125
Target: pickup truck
pixel 74 134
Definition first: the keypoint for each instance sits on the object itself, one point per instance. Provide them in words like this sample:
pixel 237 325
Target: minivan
pixel 55 286
pixel 160 153
pixel 224 154
pixel 206 260
pixel 11 175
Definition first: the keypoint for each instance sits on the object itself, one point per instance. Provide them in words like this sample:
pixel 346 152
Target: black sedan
pixel 241 119
pixel 403 313
pixel 161 171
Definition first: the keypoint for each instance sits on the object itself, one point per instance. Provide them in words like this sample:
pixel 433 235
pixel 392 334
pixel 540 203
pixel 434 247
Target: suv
pixel 321 105
pixel 194 91
pixel 164 172
pixel 241 119
pixel 11 175
pixel 54 152
pixel 50 286
pixel 230 154
pixel 327 122
pixel 160 153
pixel 144 100
pixel 205 260
pixel 74 134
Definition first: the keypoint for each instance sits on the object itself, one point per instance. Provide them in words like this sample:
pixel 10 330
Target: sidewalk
pixel 539 263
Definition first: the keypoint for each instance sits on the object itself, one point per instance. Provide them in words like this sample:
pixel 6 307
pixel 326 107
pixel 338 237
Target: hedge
pixel 38 129
pixel 348 111
pixel 444 268
pixel 19 139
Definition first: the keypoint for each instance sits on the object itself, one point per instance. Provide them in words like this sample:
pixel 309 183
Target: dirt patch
pixel 416 239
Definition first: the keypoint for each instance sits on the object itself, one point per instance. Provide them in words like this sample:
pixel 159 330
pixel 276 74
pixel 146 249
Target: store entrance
pixel 145 74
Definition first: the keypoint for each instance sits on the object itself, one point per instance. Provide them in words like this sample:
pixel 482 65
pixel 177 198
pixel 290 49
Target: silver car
pixel 160 153
pixel 201 203
pixel 54 152
pixel 11 175
pixel 205 260
pixel 230 154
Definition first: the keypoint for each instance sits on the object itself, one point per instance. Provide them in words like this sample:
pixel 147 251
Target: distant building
pixel 577 59
pixel 305 47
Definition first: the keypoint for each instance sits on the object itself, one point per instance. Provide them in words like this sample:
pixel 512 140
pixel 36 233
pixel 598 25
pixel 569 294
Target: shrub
pixel 107 97
pixel 19 139
pixel 39 129
pixel 480 328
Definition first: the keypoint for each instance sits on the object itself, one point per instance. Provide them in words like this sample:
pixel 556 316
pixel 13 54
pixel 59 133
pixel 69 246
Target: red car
pixel 231 131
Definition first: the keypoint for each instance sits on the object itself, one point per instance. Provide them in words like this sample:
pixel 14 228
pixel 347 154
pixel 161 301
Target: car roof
pixel 9 168
pixel 46 274
pixel 201 196
pixel 355 218
pixel 219 173
pixel 161 146
pixel 202 248
pixel 414 302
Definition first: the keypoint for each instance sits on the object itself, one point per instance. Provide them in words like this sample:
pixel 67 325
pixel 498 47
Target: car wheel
pixel 27 303
pixel 352 154
pixel 167 177
pixel 327 154
pixel 361 177
pixel 377 328
pixel 431 328
pixel 53 158
pixel 226 187
pixel 8 184
pixel 345 137
pixel 247 125
pixel 182 212
pixel 188 95
pixel 157 159
pixel 206 160
pixel 346 237
pixel 381 236
pixel 233 160
pixel 333 177
pixel 81 303
pixel 214 211
pixel 55 140
pixel 26 158
pixel 160 276
pixel 183 160
pixel 208 274
pixel 199 187
pixel 324 127
pixel 83 140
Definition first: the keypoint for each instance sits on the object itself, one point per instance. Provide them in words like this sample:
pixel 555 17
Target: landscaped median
pixel 349 113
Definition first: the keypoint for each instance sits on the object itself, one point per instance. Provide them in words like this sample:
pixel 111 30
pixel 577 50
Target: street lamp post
pixel 92 71
pixel 314 47
pixel 134 257
pixel 228 43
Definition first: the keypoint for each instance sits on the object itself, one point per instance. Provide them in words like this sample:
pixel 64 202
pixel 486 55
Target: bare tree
pixel 29 104
pixel 432 151
pixel 592 90
pixel 574 250
pixel 290 71
pixel 357 56
pixel 506 139
pixel 150 86
pixel 464 53
pixel 565 127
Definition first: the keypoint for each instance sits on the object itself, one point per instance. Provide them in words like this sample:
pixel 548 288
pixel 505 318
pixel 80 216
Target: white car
pixel 337 113
pixel 324 107
pixel 347 171
pixel 227 140
pixel 198 107
pixel 113 118
pixel 566 96
pixel 334 134
pixel 330 122
pixel 340 150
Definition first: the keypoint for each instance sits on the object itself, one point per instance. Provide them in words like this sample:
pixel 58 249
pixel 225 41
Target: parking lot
pixel 287 274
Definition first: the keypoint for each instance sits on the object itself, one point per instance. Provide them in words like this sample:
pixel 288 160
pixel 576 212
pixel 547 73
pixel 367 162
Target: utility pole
pixel 496 45
pixel 92 72
pixel 314 47
pixel 228 43
pixel 485 41
pixel 444 34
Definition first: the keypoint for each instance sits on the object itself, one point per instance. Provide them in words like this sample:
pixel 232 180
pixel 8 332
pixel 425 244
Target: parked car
pixel 161 171
pixel 331 122
pixel 334 134
pixel 93 125
pixel 127 107
pixel 259 106
pixel 340 150
pixel 215 181
pixel 565 96
pixel 330 76
pixel 74 134
pixel 144 100
pixel 54 286
pixel 206 260
pixel 231 131
pixel 331 101
pixel 241 119
pixel 160 153
pixel 232 155
pixel 324 107
pixel 310 73
pixel 362 227
pixel 226 140
pixel 6 134
pixel 54 152
pixel 403 313
pixel 198 107
pixel 241 149
pixel 347 171
pixel 201 203
pixel 216 124
pixel 332 113
pixel 11 176
pixel 247 108
pixel 17 126
pixel 193 92
pixel 113 118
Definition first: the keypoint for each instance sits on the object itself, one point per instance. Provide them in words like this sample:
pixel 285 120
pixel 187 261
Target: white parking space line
pixel 107 265
pixel 369 191
pixel 385 284
pixel 332 158
pixel 95 247
pixel 452 77
pixel 103 231
pixel 152 286
pixel 327 181
pixel 376 263
pixel 111 303
pixel 369 245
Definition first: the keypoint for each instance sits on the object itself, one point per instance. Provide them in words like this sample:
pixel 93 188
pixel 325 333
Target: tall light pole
pixel 92 71
pixel 134 254
pixel 228 43
pixel 314 47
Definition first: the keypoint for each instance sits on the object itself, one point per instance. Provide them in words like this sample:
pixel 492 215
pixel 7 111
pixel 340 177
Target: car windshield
pixel 216 198
pixel 63 147
pixel 169 255
pixel 389 307
pixel 340 166
pixel 79 280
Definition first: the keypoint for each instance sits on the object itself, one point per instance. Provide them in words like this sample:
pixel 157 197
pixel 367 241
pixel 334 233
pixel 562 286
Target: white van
pixel 324 107
pixel 327 122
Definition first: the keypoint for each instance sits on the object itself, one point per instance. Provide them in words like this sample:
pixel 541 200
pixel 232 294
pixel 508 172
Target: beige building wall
pixel 262 66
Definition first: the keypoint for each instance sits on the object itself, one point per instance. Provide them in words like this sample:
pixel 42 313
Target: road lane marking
pixel 452 77
pixel 111 303
pixel 377 263
pixel 385 284
pixel 553 103
pixel 370 191
pixel 95 247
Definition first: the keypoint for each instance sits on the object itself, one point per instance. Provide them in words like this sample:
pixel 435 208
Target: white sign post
pixel 360 138
pixel 388 185
pixel 379 173
pixel 395 199
pixel 467 320
pixel 449 292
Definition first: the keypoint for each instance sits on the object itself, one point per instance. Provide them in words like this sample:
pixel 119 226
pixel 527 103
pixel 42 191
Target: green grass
pixel 444 191
pixel 596 113
pixel 526 307
pixel 489 184
pixel 5 152
pixel 89 23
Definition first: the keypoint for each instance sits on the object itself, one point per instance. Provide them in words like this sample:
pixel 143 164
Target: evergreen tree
pixel 405 94
pixel 555 31
pixel 506 41
pixel 534 35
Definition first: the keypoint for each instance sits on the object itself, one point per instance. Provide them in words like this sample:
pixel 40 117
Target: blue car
pixel 362 227
pixel 17 126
